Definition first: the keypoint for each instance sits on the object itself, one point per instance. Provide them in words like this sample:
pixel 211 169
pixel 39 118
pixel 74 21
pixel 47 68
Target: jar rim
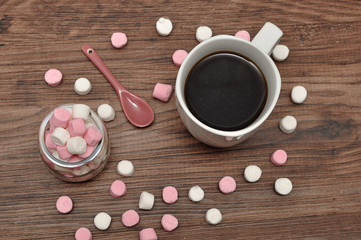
pixel 58 162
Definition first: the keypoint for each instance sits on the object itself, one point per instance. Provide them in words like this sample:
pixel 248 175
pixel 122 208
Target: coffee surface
pixel 225 91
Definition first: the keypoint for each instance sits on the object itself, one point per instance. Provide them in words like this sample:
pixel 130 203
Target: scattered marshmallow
pixel 48 142
pixel 169 222
pixel 280 53
pixel 213 216
pixel 130 218
pixel 162 92
pixel 125 168
pixel 118 189
pixel 298 94
pixel 196 194
pixel 102 221
pixel 60 136
pixel 92 136
pixel 81 111
pixel 279 157
pixel 148 234
pixel 63 152
pixel 179 56
pixel 83 234
pixel 81 171
pixel 146 201
pixel 82 86
pixel 170 194
pixel 106 112
pixel 252 173
pixel 76 145
pixel 227 185
pixel 89 150
pixel 60 118
pixel 64 204
pixel 203 33
pixel 164 26
pixel 288 124
pixel 243 34
pixel 53 77
pixel 119 39
pixel 283 186
pixel 76 127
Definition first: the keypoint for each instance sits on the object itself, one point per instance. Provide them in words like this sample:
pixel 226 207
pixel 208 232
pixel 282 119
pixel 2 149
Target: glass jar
pixel 76 171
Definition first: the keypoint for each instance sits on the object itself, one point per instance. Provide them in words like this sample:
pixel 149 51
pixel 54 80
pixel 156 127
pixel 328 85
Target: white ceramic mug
pixel 258 51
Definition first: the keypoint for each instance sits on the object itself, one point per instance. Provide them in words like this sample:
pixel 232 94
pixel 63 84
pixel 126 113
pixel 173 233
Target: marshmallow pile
pixel 72 136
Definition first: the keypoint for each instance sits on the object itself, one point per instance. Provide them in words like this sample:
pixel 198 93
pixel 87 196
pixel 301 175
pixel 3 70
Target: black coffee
pixel 225 91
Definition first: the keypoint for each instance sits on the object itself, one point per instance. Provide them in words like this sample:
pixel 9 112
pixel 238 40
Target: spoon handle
pixel 94 58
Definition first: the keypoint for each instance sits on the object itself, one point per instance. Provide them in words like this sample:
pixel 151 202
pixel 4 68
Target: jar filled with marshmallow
pixel 74 143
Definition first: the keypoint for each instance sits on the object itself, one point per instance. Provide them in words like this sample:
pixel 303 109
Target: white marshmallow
pixel 203 33
pixel 56 155
pixel 58 168
pixel 146 201
pixel 82 86
pixel 60 136
pixel 106 112
pixel 252 173
pixel 196 194
pixel 213 216
pixel 283 186
pixel 81 111
pixel 125 168
pixel 82 171
pixel 280 53
pixel 164 26
pixel 298 94
pixel 102 221
pixel 90 122
pixel 76 145
pixel 288 124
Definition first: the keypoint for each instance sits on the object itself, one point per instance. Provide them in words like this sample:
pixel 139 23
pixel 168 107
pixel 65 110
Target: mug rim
pixel 255 124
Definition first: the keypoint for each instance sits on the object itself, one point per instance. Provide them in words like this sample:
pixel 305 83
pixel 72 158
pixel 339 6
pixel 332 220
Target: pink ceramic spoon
pixel 138 112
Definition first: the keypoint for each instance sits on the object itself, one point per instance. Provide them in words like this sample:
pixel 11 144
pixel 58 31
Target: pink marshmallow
pixel 244 35
pixel 148 234
pixel 48 143
pixel 75 159
pixel 169 222
pixel 119 39
pixel 162 92
pixel 178 57
pixel 64 204
pixel 118 189
pixel 63 152
pixel 279 157
pixel 60 118
pixel 92 136
pixel 51 127
pixel 53 77
pixel 89 150
pixel 76 127
pixel 130 218
pixel 227 184
pixel 170 194
pixel 66 174
pixel 83 234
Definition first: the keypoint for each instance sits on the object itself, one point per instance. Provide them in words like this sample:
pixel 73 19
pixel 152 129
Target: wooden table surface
pixel 324 152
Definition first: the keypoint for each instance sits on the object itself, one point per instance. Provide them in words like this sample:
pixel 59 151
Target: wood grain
pixel 324 152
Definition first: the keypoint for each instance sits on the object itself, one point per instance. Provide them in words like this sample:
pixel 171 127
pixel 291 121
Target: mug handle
pixel 267 38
